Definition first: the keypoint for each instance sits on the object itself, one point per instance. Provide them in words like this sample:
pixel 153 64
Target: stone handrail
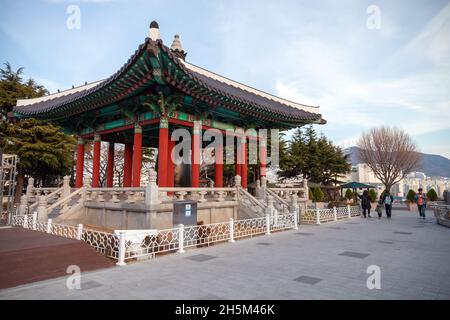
pixel 253 200
pixel 64 200
pixel 282 205
pixel 288 192
pixel 129 195
pixel 55 193
pixel 217 194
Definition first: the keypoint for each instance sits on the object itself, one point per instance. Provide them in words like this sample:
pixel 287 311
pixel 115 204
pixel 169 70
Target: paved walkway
pixel 315 262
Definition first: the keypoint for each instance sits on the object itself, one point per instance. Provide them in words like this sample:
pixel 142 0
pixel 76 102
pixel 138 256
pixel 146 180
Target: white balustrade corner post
pixel 23 205
pixel 151 190
pixel 317 216
pixel 121 255
pixel 231 224
pixel 334 214
pixel 66 187
pixel 25 222
pixel 42 208
pixel 49 226
pixel 295 209
pixel 349 212
pixel 267 224
pixel 30 187
pixel 79 231
pixel 258 189
pixel 34 220
pixel 237 181
pixel 180 238
pixel 262 192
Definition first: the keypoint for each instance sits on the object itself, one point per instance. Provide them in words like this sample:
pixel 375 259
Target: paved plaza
pixel 315 262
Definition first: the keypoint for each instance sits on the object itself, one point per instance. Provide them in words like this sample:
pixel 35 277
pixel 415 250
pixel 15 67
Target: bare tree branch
pixel 390 153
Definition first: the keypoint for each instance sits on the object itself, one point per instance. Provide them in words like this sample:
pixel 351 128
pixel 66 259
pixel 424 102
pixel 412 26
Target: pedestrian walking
pixel 365 203
pixel 379 208
pixel 421 199
pixel 387 200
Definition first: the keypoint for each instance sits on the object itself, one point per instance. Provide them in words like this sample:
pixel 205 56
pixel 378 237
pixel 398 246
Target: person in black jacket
pixel 387 199
pixel 365 203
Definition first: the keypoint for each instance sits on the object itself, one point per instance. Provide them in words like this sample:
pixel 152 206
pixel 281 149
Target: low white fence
pixel 123 246
pixel 318 216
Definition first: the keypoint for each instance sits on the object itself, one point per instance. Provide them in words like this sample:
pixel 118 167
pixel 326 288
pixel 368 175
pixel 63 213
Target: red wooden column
pixel 137 156
pixel 170 165
pixel 80 163
pixel 244 162
pixel 96 162
pixel 195 150
pixel 127 165
pixel 163 147
pixel 262 157
pixel 110 166
pixel 218 179
pixel 238 170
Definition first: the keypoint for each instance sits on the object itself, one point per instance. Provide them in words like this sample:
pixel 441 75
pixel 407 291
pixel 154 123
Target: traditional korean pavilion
pixel 155 92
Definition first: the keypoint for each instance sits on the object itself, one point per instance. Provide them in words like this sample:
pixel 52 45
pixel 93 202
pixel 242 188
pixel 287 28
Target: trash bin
pixel 185 212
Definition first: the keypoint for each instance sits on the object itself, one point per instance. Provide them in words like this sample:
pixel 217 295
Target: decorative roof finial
pixel 177 49
pixel 154 31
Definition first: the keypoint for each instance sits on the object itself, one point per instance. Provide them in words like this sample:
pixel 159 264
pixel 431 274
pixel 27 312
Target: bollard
pixel 317 216
pixel 267 224
pixel 349 213
pixel 49 226
pixel 334 213
pixel 231 224
pixel 180 238
pixel 121 261
pixel 79 231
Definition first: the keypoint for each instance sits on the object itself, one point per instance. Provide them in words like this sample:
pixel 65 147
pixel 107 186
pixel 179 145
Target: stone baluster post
pixel 262 194
pixel 295 210
pixel 237 181
pixel 42 208
pixel 258 188
pixel 30 187
pixel 151 190
pixel 23 205
pixel 66 187
pixel 305 189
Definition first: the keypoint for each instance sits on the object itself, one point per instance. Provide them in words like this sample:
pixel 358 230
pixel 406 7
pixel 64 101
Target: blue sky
pixel 313 52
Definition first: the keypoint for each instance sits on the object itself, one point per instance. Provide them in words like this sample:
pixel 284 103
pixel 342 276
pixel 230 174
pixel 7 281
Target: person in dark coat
pixel 365 203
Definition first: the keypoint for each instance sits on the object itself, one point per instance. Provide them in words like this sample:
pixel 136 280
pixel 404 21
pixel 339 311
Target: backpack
pixel 387 200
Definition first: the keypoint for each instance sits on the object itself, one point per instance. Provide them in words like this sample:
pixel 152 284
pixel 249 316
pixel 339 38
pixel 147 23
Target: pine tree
pixel 44 152
pixel 410 196
pixel 314 158
pixel 432 195
pixel 349 194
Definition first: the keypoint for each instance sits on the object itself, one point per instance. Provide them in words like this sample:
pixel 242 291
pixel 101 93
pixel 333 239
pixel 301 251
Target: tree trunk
pixel 19 186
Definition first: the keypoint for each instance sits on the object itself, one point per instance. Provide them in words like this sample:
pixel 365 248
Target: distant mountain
pixel 432 165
